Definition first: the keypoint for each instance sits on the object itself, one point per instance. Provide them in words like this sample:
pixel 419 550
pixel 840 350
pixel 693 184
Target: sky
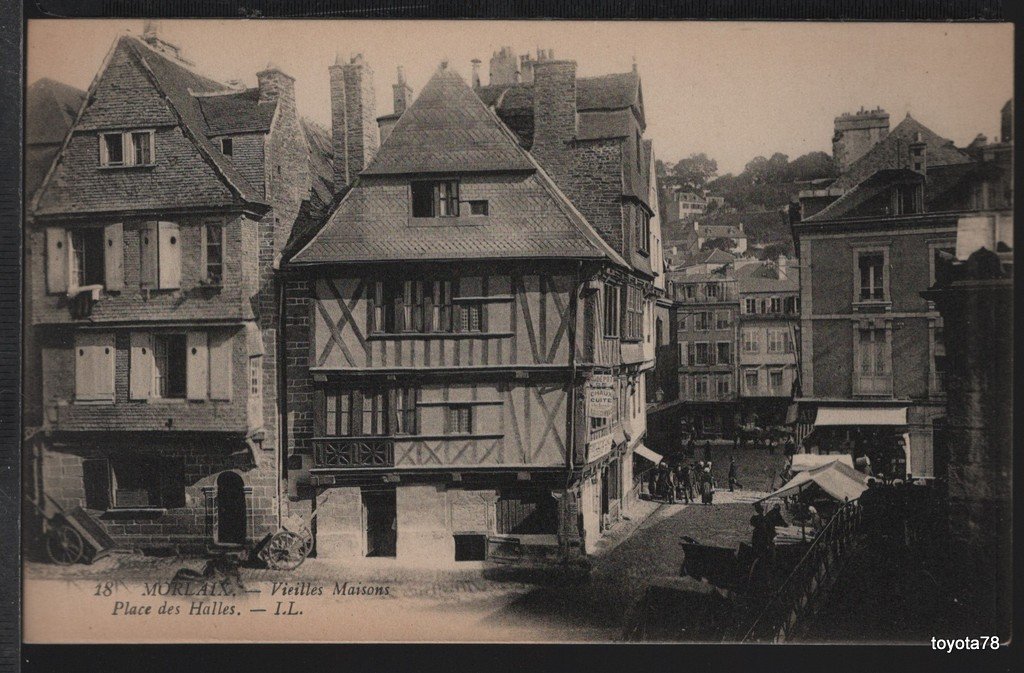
pixel 732 90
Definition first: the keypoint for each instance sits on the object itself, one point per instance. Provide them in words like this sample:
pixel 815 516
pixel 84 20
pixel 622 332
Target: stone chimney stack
pixel 918 155
pixel 857 133
pixel 354 131
pixel 503 67
pixel 274 85
pixel 476 72
pixel 554 116
pixel 403 92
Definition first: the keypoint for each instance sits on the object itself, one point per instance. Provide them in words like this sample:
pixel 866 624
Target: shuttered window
pixel 94 367
pixel 160 261
pixel 221 345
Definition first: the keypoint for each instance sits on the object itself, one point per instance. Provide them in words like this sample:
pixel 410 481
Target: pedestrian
pixel 690 445
pixel 711 484
pixel 707 450
pixel 685 483
pixel 670 485
pixel 733 474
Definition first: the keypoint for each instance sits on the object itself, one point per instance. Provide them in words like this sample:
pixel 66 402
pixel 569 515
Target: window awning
pixel 652 456
pixel 831 416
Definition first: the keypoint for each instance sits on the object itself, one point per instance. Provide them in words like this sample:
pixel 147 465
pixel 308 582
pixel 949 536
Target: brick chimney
pixel 403 92
pixel 476 72
pixel 919 155
pixel 503 67
pixel 275 84
pixel 354 131
pixel 554 117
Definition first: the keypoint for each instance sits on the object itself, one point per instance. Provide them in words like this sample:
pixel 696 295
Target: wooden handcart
pixel 71 536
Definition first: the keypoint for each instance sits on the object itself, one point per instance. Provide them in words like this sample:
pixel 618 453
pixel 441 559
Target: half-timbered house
pixel 150 250
pixel 465 345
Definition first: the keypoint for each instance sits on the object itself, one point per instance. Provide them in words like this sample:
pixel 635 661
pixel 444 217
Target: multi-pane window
pixel 459 419
pixel 256 376
pixel 131 148
pixel 634 316
pixel 338 418
pixel 722 320
pixel 872 276
pixel 776 305
pixel 939 359
pixel 417 306
pixel 643 232
pixel 611 311
pixel 87 256
pixel 749 305
pixel 775 379
pixel 406 400
pixel 750 379
pixel 711 290
pixel 723 385
pixel 700 387
pixel 134 482
pixel 723 352
pixel 435 198
pixel 471 314
pixel 779 341
pixel 169 366
pixel 214 249
pixel 750 341
pixel 702 353
pixel 872 352
pixel 704 320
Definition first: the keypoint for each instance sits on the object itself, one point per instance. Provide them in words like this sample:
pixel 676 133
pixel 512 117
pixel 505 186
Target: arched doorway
pixel 231 512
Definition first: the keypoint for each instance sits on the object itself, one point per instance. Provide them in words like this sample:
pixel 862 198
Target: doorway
pixel 381 516
pixel 231 524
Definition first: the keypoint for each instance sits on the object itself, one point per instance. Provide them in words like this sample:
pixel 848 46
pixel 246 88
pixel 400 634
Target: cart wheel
pixel 65 546
pixel 286 551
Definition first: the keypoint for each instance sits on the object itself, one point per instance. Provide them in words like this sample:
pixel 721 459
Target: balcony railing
pixel 345 452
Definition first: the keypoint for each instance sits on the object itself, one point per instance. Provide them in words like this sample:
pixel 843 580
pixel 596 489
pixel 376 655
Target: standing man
pixel 707 451
pixel 733 473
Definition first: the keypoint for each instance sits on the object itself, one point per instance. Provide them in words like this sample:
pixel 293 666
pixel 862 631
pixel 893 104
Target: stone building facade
pixel 151 246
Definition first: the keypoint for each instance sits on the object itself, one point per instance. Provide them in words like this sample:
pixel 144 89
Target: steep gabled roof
pixel 236 112
pixel 529 217
pixel 448 129
pixel 178 83
pixel 50 110
pixel 892 152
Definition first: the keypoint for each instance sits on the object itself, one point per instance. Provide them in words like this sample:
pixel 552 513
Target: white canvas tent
pixel 837 479
pixel 803 462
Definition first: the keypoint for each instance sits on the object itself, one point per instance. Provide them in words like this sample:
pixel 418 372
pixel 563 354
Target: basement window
pixel 435 198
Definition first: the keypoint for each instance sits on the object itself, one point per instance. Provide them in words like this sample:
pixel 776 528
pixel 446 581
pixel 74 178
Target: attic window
pixel 131 148
pixel 226 147
pixel 435 198
pixel 478 207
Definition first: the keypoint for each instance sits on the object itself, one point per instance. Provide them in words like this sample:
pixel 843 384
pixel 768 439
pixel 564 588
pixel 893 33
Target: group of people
pixel 682 482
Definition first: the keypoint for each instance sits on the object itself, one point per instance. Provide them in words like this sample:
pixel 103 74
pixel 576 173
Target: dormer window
pixel 435 198
pixel 226 147
pixel 129 148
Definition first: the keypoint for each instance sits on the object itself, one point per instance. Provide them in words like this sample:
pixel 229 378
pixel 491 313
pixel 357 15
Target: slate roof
pixel 178 83
pixel 765 277
pixel 50 110
pixel 448 130
pixel 893 152
pixel 237 112
pixel 529 217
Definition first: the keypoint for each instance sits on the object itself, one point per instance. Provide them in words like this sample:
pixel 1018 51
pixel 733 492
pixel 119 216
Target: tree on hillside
pixel 694 172
pixel 773 250
pixel 811 166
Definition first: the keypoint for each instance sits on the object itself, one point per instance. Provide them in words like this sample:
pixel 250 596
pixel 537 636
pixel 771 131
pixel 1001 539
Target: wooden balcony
pixel 347 452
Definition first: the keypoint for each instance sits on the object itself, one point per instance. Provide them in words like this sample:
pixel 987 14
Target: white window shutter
pixel 197 371
pixel 94 367
pixel 104 156
pixel 149 259
pixel 221 345
pixel 170 256
pixel 141 366
pixel 56 260
pixel 114 257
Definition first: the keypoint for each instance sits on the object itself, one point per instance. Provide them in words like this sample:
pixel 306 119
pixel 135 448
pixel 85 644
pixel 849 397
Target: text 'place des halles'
pixel 491 333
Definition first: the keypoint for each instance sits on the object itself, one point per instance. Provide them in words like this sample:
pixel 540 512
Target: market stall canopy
pixel 839 480
pixel 652 456
pixel 803 462
pixel 864 416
